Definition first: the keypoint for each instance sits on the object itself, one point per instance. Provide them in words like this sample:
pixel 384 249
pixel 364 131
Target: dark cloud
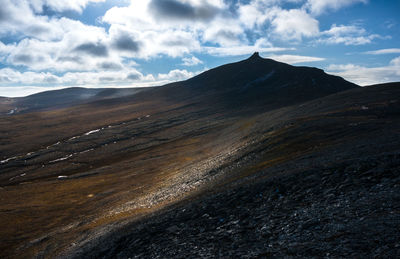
pixel 25 59
pixel 226 34
pixel 3 14
pixel 75 59
pixel 4 79
pixel 107 79
pixel 177 42
pixel 133 76
pixel 172 9
pixel 93 49
pixel 37 29
pixel 109 66
pixel 50 79
pixel 22 58
pixel 126 43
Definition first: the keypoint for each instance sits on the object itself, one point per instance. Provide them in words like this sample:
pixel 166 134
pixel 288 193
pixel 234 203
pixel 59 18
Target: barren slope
pixel 319 179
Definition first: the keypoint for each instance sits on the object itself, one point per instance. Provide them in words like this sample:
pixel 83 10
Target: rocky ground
pixel 349 208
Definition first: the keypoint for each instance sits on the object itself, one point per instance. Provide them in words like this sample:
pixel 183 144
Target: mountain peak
pixel 255 55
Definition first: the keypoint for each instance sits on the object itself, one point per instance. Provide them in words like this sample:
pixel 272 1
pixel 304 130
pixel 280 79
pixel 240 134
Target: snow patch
pixel 8 159
pixel 12 111
pixel 96 130
pixel 91 132
pixel 73 138
pixel 85 151
pixel 55 144
pixel 60 159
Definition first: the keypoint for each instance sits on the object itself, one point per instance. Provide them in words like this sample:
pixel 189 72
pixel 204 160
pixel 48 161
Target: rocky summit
pixel 253 159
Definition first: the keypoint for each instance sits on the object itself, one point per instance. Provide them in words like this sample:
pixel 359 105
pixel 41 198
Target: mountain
pixel 251 159
pixel 263 82
pixel 264 76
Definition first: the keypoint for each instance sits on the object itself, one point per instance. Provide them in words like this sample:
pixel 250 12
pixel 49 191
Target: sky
pixel 53 44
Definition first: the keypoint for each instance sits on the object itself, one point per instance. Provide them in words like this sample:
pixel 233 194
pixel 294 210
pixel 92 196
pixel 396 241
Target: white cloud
pixel 350 40
pixel 263 16
pixel 224 35
pixel 49 43
pixel 395 62
pixel 343 29
pixel 252 15
pixel 347 35
pixel 5 49
pixel 293 24
pixel 383 51
pixel 192 61
pixel 160 15
pixel 174 43
pixel 176 75
pixel 368 75
pixel 17 18
pixel 318 7
pixel 61 55
pixel 167 36
pixel 25 17
pixel 156 37
pixel 294 59
pixel 12 77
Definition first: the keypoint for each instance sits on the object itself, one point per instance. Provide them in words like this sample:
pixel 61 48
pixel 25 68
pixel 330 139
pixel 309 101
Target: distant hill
pixel 63 98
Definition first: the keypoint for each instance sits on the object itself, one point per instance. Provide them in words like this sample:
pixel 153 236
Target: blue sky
pixel 52 44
